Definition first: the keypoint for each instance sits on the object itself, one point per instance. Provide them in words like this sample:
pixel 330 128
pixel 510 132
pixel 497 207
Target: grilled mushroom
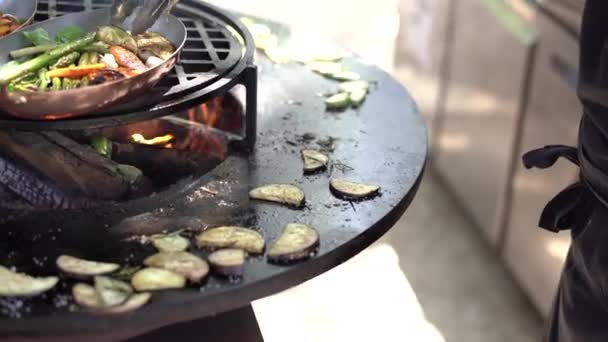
pixel 152 278
pixel 80 268
pixel 184 263
pixel 279 193
pixel 314 160
pixel 170 243
pixel 232 237
pixel 13 284
pixel 112 292
pixel 352 191
pixel 297 242
pixel 86 296
pixel 228 262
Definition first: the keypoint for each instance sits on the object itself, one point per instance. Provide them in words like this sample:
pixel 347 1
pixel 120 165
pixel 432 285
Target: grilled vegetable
pixel 32 50
pixel 314 160
pixel 97 47
pixel 170 243
pixel 81 268
pixel 85 295
pixel 156 44
pixel 325 68
pixel 152 278
pixel 55 83
pixel 84 59
pixel 345 76
pixel 338 101
pixel 297 242
pixel 350 86
pixel 43 79
pixel 67 84
pixel 68 34
pixel 76 72
pixel 189 265
pixel 127 59
pixel 109 60
pixel 112 292
pixel 13 284
pixel 357 97
pixel 113 35
pixel 280 193
pixel 232 237
pixel 104 75
pixel 93 58
pixel 132 174
pixel 228 262
pixel 66 60
pixel 10 73
pixel 352 191
pixel 38 37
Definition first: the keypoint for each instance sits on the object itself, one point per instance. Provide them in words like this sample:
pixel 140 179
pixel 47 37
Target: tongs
pixel 146 12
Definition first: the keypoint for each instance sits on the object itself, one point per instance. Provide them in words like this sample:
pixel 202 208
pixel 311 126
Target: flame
pixel 161 140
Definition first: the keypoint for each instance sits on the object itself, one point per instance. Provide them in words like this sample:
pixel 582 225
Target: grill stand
pixel 238 325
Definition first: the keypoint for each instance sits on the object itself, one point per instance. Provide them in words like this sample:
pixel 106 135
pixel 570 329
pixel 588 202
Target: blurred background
pixel 494 79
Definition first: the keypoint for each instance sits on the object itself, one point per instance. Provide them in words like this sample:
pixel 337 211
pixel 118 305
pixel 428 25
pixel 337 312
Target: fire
pixel 160 140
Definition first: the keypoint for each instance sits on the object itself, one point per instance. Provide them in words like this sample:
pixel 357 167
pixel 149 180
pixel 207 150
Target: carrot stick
pixel 76 72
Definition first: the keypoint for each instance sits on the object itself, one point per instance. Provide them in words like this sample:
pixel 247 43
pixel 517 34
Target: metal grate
pixel 210 49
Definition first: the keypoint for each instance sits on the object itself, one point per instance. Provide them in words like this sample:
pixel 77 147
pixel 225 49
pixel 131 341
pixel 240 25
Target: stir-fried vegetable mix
pixel 74 59
pixel 8 24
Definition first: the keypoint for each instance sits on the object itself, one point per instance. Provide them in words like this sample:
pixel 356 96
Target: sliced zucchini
pixel 228 262
pixel 357 97
pixel 314 160
pixel 170 243
pixel 152 279
pixel 338 101
pixel 184 263
pixel 112 292
pixel 81 268
pixel 297 242
pixel 352 191
pixel 13 284
pixel 232 237
pixel 86 296
pixel 279 193
pixel 351 86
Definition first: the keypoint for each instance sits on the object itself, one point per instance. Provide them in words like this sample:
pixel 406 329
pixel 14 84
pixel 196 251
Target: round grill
pixel 217 53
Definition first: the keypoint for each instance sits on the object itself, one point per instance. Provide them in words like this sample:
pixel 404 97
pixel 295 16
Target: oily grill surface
pixel 383 143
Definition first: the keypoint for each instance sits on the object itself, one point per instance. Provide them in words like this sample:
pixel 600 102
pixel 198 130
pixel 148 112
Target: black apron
pixel 580 311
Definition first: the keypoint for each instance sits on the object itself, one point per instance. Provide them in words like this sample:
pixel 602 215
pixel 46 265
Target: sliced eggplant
pixel 345 75
pixel 86 296
pixel 314 160
pixel 350 86
pixel 232 237
pixel 189 265
pixel 357 97
pixel 352 191
pixel 338 101
pixel 13 284
pixel 228 262
pixel 170 243
pixel 279 193
pixel 112 292
pixel 152 279
pixel 325 68
pixel 297 242
pixel 81 268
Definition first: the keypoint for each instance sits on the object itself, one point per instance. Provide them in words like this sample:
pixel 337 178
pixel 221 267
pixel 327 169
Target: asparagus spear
pixel 32 50
pixel 66 60
pixel 84 59
pixel 9 74
pixel 93 58
pixel 43 80
pixel 56 83
pixel 67 84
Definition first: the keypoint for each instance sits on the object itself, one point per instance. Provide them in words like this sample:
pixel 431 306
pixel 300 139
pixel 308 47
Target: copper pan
pixel 20 9
pixel 82 101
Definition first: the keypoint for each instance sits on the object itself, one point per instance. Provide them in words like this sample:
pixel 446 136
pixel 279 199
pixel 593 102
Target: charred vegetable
pixel 103 76
pixel 113 35
pixel 8 24
pixel 127 59
pixel 232 237
pixel 76 72
pixel 152 278
pixel 86 296
pixel 314 160
pixel 297 242
pixel 170 243
pixel 351 190
pixel 13 284
pixel 155 44
pixel 112 292
pixel 80 268
pixel 102 145
pixel 228 262
pixel 280 193
pixel 189 265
